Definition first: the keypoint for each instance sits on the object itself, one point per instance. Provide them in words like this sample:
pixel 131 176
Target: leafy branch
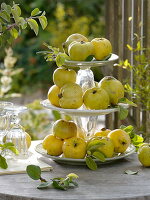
pixel 65 183
pixel 3 149
pixel 12 23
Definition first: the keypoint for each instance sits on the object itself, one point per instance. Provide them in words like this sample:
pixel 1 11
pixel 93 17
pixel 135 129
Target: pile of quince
pixel 69 140
pixel 66 93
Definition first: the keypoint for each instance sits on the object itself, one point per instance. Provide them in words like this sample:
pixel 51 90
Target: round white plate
pixel 80 112
pixel 71 161
pixel 92 63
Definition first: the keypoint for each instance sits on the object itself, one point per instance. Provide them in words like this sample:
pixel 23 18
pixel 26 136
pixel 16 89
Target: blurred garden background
pixel 117 20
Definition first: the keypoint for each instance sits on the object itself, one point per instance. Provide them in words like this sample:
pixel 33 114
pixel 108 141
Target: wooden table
pixel 108 182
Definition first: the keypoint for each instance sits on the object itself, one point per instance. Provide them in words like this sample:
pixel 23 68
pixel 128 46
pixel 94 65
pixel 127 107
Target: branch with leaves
pixel 12 23
pixel 65 183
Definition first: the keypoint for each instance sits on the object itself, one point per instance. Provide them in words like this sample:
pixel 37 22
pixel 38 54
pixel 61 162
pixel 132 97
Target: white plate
pixel 80 112
pixel 71 161
pixel 93 63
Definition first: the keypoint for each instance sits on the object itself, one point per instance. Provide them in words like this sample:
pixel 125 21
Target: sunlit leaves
pixel 33 25
pixel 43 21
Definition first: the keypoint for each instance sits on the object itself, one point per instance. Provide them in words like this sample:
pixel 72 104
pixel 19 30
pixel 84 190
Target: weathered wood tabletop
pixel 108 182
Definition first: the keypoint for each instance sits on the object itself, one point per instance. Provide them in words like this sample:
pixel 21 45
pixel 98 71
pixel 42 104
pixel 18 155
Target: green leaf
pixel 95 146
pixel 3 163
pixel 43 21
pixel 33 25
pixel 130 172
pixel 23 22
pixel 91 163
pixel 128 129
pixel 1 27
pixel 34 172
pixel 13 149
pixel 5 16
pixel 15 16
pixel 6 7
pixel 129 47
pixel 44 185
pixel 57 185
pixel 123 112
pixel 89 58
pixel 8 144
pixel 14 33
pixel 35 12
pixel 127 101
pixel 17 9
pixel 99 155
pixel 56 114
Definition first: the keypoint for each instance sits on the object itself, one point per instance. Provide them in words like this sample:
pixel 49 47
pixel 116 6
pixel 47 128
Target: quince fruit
pixel 121 140
pixel 53 95
pixel 74 37
pixel 71 96
pixel 61 76
pixel 103 132
pixel 74 148
pixel 96 98
pixel 52 145
pixel 102 48
pixel 113 87
pixel 144 154
pixel 79 51
pixel 64 129
pixel 107 147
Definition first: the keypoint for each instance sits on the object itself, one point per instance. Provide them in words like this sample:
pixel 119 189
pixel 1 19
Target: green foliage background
pixel 64 18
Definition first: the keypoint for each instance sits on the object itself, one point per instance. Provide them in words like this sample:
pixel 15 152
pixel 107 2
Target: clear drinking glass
pixel 16 134
pixel 4 119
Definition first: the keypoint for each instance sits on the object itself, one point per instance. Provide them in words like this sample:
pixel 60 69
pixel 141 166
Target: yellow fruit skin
pixel 53 95
pixel 96 98
pixel 74 148
pixel 120 139
pixel 113 87
pixel 79 51
pixel 107 148
pixel 71 96
pixel 64 129
pixel 102 48
pixel 74 37
pixel 144 155
pixel 53 145
pixel 61 76
pixel 103 132
pixel 28 139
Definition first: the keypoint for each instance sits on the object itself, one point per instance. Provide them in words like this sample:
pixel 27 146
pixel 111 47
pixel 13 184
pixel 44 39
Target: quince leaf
pixel 127 101
pixel 95 147
pixel 43 21
pixel 123 112
pixel 33 25
pixel 3 163
pixel 130 172
pixel 35 12
pixel 99 155
pixel 91 163
pixel 44 185
pixel 34 172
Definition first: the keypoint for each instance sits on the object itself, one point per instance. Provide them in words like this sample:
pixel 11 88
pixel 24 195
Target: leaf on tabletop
pixel 34 172
pixel 13 149
pixel 123 112
pixel 127 101
pixel 57 185
pixel 3 163
pixel 99 155
pixel 35 12
pixel 91 163
pixel 44 185
pixel 130 172
pixel 33 25
pixel 43 21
